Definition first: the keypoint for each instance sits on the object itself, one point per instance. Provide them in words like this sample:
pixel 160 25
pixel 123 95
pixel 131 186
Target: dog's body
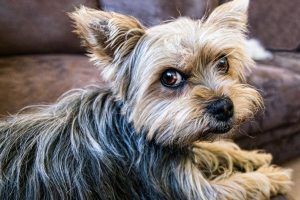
pixel 87 150
pixel 143 137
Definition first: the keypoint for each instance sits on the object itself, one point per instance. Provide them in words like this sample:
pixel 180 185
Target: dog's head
pixel 181 81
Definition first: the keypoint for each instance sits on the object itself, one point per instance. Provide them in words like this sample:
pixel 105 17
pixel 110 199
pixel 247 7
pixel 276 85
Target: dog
pixel 154 131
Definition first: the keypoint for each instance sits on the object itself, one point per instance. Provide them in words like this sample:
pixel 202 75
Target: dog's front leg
pixel 227 156
pixel 261 184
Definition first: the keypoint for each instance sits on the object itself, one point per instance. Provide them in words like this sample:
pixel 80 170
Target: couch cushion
pixel 282 142
pixel 29 80
pixel 38 26
pixel 276 23
pixel 280 88
pixel 155 11
pixel 277 128
pixel 286 60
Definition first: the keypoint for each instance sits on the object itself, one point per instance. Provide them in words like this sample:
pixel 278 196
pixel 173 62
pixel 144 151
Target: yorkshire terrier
pixel 172 90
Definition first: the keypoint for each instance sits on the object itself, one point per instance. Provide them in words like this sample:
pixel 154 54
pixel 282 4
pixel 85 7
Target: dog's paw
pixel 280 179
pixel 251 160
pixel 258 159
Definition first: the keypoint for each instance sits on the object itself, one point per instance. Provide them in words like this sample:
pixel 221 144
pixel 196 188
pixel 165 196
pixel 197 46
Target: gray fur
pixel 83 148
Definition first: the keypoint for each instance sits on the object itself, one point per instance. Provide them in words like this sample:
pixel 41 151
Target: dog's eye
pixel 171 78
pixel 223 64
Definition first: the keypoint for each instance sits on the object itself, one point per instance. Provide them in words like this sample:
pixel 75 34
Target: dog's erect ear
pixel 107 35
pixel 230 15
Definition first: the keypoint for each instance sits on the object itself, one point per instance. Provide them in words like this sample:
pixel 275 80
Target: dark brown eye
pixel 171 78
pixel 223 64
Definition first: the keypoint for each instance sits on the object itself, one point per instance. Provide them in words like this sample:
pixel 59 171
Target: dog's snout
pixel 221 109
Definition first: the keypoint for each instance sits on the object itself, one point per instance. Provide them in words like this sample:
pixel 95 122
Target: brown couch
pixel 41 59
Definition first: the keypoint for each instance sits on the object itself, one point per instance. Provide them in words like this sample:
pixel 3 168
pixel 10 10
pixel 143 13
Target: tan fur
pixel 223 162
pixel 133 59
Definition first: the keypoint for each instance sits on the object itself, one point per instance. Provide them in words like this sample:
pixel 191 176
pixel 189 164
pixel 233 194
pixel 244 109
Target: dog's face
pixel 181 81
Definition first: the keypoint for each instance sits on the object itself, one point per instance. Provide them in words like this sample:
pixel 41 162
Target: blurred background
pixel 40 59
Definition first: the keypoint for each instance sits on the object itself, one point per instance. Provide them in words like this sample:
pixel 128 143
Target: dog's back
pixel 45 154
pixel 52 153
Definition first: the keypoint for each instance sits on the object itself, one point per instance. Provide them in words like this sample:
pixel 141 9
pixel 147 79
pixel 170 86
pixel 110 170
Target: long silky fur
pixel 83 148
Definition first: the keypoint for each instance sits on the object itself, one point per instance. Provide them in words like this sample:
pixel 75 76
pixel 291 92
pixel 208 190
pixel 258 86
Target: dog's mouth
pixel 214 129
pixel 219 127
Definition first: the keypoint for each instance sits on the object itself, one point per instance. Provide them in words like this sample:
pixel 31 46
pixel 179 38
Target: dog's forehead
pixel 186 35
pixel 176 40
pixel 191 45
pixel 182 40
pixel 180 25
pixel 180 30
pixel 198 40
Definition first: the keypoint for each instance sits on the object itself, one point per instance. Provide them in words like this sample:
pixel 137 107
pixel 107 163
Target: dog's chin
pixel 217 129
pixel 221 129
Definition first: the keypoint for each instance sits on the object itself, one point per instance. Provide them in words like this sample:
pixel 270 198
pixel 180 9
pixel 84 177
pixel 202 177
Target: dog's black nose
pixel 221 109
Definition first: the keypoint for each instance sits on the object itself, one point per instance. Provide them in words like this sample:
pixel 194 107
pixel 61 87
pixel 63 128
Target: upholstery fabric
pixel 277 128
pixel 38 26
pixel 41 79
pixel 276 23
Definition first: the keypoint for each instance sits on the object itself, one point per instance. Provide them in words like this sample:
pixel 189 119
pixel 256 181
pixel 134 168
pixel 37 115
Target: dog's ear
pixel 233 14
pixel 106 35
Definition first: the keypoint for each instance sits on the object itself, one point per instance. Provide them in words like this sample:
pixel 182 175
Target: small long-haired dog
pixel 174 88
